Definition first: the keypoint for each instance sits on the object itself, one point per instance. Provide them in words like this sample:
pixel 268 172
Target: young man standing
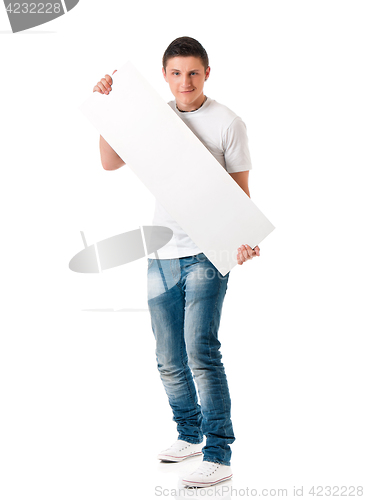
pixel 185 290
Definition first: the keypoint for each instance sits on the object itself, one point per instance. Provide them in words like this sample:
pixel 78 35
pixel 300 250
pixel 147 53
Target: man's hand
pixel 245 252
pixel 105 85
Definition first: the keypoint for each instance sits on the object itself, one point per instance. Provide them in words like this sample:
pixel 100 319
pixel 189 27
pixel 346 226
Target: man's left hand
pixel 245 252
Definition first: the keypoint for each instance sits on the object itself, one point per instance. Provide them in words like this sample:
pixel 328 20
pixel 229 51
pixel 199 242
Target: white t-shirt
pixel 224 134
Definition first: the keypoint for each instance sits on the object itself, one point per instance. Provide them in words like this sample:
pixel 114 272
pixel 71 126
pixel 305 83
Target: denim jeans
pixel 185 298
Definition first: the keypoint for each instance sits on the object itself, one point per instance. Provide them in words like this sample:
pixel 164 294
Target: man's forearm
pixel 109 158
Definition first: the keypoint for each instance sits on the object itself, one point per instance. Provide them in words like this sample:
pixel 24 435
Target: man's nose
pixel 186 81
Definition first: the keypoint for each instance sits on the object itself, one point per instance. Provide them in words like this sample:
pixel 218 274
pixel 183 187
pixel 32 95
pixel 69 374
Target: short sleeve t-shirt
pixel 224 134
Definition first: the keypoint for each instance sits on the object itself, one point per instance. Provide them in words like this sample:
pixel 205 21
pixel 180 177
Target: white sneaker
pixel 208 474
pixel 180 450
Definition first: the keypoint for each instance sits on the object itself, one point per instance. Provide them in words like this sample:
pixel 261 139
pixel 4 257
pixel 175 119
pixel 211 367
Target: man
pixel 185 290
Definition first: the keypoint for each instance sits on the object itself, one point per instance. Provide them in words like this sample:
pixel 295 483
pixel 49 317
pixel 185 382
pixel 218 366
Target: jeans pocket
pixel 201 257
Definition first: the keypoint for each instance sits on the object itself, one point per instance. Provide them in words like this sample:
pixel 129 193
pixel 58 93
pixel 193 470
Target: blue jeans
pixel 185 298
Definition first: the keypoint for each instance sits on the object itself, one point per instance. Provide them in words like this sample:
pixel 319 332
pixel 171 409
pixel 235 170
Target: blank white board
pixel 177 168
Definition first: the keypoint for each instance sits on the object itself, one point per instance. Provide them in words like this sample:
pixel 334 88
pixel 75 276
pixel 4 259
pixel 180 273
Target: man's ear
pixel 164 73
pixel 207 73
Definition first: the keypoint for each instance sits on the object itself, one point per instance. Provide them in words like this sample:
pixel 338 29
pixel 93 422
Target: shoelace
pixel 179 446
pixel 207 468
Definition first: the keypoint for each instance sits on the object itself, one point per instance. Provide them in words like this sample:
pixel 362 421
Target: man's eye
pixel 193 73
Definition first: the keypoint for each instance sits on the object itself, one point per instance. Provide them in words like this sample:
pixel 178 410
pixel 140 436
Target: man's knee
pixel 170 367
pixel 200 358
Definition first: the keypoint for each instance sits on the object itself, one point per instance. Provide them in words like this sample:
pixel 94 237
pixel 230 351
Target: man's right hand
pixel 105 85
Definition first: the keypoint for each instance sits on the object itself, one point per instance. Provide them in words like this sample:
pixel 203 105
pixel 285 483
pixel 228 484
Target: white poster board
pixel 157 145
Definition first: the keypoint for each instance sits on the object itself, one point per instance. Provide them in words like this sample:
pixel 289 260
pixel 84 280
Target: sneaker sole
pixel 171 458
pixel 200 484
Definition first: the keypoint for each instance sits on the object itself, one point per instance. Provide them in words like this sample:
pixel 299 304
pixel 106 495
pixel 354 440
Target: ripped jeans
pixel 185 299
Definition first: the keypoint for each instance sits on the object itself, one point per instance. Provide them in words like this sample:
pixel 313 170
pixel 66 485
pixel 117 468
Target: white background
pixel 83 411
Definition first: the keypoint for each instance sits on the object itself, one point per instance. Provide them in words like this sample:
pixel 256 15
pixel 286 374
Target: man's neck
pixel 195 108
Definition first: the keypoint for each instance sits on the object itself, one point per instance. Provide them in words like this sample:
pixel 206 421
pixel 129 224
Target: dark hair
pixel 185 46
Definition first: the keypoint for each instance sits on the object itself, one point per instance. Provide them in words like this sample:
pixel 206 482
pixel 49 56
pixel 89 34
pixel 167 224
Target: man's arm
pixel 109 158
pixel 245 252
pixel 242 180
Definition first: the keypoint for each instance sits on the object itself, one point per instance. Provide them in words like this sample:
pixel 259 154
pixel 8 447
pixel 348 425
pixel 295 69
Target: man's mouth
pixel 186 91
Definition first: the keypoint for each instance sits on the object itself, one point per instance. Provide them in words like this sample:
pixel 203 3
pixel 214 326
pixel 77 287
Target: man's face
pixel 186 77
